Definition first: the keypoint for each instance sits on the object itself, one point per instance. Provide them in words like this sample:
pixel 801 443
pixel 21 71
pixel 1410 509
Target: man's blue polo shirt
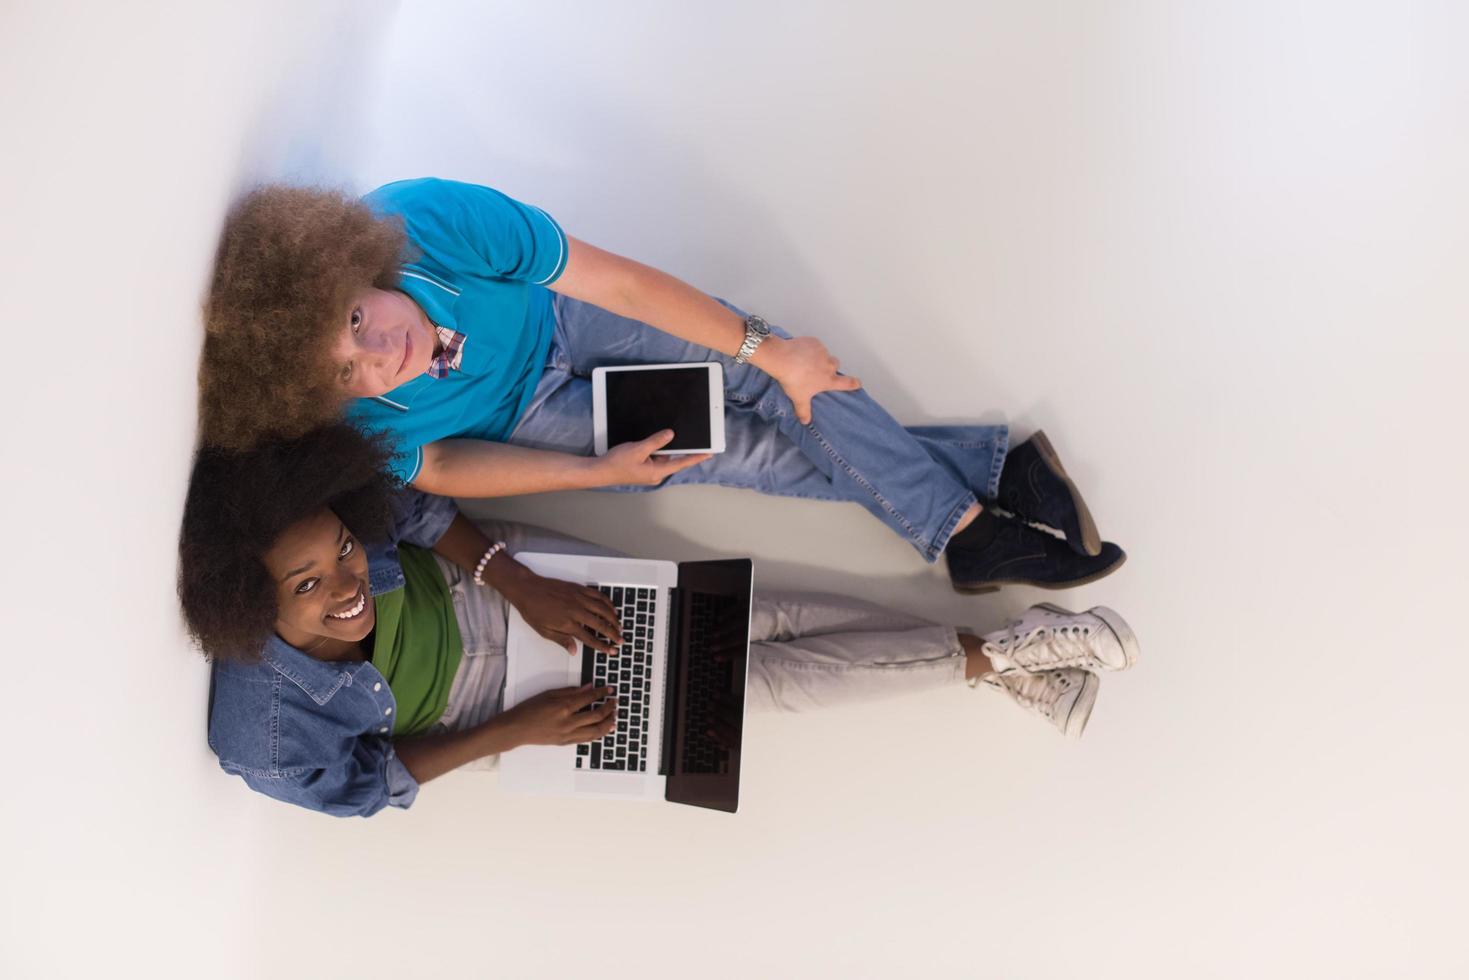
pixel 484 264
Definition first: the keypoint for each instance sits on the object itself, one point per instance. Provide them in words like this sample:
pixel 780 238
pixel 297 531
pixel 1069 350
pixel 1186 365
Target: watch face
pixel 758 325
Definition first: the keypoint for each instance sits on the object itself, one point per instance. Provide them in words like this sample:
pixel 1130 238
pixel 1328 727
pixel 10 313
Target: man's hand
pixel 564 612
pixel 632 463
pixel 804 368
pixel 557 717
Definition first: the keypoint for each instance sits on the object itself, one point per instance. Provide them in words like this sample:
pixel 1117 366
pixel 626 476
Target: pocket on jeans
pixel 479 612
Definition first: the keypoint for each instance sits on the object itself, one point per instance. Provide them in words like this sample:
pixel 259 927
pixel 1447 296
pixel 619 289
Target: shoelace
pixel 1037 692
pixel 1049 645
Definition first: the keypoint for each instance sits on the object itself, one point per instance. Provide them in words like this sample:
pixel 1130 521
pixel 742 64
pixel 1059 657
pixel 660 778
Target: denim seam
pixel 1002 449
pixel 958 512
pixel 275 723
pixel 235 767
pixel 861 481
pixel 301 682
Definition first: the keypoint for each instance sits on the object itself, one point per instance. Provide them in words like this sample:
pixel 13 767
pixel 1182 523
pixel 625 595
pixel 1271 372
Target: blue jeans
pixel 918 480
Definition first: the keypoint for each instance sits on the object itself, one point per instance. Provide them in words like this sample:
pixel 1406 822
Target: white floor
pixel 1216 250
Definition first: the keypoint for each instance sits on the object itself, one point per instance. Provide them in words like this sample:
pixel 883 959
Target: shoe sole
pixel 995 586
pixel 1125 636
pixel 1081 708
pixel 1091 540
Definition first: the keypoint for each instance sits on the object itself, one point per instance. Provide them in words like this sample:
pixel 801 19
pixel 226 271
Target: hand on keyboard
pixel 632 676
pixel 565 612
pixel 560 717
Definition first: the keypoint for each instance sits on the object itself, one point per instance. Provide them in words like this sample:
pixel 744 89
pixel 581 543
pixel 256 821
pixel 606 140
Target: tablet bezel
pixel 715 372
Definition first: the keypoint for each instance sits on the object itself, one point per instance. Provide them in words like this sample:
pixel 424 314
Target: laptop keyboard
pixel 630 675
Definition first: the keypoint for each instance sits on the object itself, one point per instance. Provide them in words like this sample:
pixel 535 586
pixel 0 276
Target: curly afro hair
pixel 239 504
pixel 289 261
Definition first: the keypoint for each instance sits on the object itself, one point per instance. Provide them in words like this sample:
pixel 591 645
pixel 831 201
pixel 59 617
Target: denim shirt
pixel 318 733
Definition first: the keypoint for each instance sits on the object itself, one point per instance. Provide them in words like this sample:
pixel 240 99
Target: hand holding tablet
pixel 633 402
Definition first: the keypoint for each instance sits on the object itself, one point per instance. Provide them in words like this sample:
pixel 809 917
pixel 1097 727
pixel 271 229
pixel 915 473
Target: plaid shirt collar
pixel 450 352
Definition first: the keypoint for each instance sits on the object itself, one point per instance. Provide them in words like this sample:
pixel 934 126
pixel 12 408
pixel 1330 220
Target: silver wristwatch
pixel 756 330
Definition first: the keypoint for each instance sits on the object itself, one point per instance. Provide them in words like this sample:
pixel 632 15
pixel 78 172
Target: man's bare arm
pixel 479 468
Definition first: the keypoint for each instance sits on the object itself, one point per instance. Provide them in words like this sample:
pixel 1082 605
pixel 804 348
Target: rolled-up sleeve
pixel 402 787
pixel 371 778
pixel 421 518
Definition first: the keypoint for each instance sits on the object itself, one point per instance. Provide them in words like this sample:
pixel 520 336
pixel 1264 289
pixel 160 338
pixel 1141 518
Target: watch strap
pixel 754 337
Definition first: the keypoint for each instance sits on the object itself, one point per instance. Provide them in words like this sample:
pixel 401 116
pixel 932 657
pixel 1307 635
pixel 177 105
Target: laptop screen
pixel 712 637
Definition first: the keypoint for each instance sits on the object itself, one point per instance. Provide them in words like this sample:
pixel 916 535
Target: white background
pixel 1217 250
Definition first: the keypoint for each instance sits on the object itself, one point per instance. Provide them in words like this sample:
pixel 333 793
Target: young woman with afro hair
pixel 357 632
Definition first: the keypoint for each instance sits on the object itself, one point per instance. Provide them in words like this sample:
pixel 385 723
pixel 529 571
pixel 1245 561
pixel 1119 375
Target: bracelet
pixel 479 569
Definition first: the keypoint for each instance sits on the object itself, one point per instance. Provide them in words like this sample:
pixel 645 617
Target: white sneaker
pixel 1062 697
pixel 1048 637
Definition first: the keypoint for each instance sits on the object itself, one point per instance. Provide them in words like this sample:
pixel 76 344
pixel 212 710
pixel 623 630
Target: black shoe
pixel 1034 484
pixel 996 551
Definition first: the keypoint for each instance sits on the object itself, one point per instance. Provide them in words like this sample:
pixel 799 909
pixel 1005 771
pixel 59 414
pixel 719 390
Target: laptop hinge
pixel 671 678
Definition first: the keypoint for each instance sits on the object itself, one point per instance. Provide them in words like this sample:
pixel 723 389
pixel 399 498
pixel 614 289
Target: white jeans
pixel 806 650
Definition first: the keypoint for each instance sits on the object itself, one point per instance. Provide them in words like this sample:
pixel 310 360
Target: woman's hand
pixel 632 463
pixel 804 368
pixel 564 612
pixel 563 716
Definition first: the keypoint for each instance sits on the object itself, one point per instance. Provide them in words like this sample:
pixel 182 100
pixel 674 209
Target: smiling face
pixel 323 599
pixel 386 339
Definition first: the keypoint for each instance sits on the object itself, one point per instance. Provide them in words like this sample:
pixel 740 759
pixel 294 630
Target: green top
pixel 417 647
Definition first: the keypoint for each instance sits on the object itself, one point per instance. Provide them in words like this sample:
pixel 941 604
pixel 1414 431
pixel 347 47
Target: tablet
pixel 633 402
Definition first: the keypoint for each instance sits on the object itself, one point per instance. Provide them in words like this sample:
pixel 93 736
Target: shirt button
pixel 388 712
pixel 378 686
pixel 383 729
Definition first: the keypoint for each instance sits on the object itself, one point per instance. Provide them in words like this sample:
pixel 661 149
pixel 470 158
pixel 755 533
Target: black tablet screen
pixel 640 403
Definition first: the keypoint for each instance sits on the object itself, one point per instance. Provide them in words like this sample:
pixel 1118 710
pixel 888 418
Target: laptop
pixel 679 677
